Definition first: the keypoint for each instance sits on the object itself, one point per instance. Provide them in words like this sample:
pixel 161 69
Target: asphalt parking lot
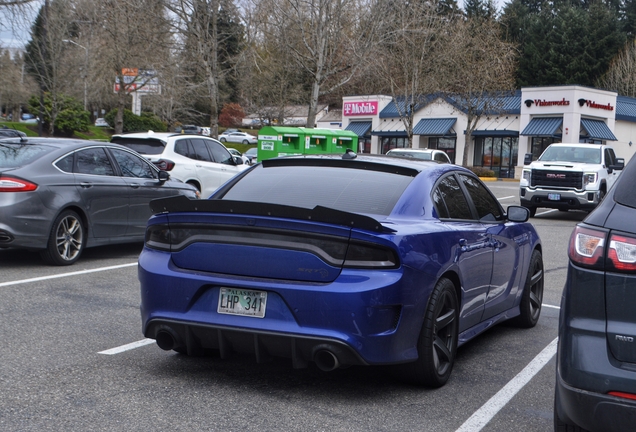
pixel 75 359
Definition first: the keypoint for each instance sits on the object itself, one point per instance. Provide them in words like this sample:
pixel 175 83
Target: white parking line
pixel 550 306
pixel 483 415
pixel 508 197
pixel 127 347
pixel 81 272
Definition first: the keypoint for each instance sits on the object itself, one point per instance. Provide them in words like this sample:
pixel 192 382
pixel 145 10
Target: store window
pixel 498 154
pixel 364 145
pixel 448 145
pixel 539 144
pixel 389 143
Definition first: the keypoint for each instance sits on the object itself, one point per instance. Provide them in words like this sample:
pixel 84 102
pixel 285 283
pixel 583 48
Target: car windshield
pixel 416 155
pixel 339 188
pixel 572 154
pixel 13 155
pixel 147 146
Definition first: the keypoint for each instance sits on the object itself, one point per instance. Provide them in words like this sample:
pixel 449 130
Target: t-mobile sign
pixel 360 108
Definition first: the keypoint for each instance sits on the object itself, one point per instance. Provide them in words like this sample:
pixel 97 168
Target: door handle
pixel 86 185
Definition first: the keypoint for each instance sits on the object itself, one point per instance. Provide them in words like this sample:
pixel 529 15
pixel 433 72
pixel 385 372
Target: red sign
pixel 592 104
pixel 561 102
pixel 129 71
pixel 360 108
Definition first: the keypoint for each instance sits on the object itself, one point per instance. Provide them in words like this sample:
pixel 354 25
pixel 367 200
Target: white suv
pixel 197 160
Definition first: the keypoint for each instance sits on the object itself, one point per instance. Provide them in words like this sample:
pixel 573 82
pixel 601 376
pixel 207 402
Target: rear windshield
pixel 572 154
pixel 625 191
pixel 346 189
pixel 17 155
pixel 147 146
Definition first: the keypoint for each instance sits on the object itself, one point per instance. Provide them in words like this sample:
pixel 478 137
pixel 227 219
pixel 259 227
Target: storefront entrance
pixel 498 154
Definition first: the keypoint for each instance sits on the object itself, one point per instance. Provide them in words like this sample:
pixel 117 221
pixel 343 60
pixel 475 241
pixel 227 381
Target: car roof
pixel 162 136
pixel 57 142
pixel 412 150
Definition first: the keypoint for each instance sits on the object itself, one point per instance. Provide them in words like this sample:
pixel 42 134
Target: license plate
pixel 234 301
pixel 554 197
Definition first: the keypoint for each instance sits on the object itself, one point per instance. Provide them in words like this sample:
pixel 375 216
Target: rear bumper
pixel 595 412
pixel 363 318
pixel 568 199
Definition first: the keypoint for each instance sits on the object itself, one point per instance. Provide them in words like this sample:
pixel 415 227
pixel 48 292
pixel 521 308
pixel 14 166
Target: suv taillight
pixel 621 253
pixel 587 247
pixel 14 184
pixel 164 164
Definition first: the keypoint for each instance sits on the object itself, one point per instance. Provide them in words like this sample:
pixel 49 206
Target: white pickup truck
pixel 569 176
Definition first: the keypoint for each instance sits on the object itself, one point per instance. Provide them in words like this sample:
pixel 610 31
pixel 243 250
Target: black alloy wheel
pixel 532 298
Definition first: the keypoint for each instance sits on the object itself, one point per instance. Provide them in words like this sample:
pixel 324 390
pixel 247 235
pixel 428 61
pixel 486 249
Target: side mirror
pixel 238 160
pixel 164 176
pixel 527 159
pixel 619 165
pixel 518 214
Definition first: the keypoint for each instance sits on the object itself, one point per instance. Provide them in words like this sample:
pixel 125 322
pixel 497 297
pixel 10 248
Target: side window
pixel 488 209
pixel 220 153
pixel 93 161
pixel 133 166
pixel 201 150
pixel 610 158
pixel 181 147
pixel 66 163
pixel 450 200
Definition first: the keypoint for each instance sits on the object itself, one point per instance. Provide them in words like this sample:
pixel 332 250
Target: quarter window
pixel 450 201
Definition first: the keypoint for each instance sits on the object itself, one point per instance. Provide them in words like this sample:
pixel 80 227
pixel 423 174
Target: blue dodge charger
pixel 340 260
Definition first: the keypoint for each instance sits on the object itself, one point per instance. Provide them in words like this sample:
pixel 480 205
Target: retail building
pixel 526 121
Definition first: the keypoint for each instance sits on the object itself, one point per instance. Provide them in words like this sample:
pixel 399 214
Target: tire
pixel 533 211
pixel 246 142
pixel 66 240
pixel 222 140
pixel 601 194
pixel 532 297
pixel 194 184
pixel 437 344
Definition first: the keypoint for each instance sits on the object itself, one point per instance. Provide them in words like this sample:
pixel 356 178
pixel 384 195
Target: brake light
pixel 587 247
pixel 13 184
pixel 164 164
pixel 622 253
pixel 371 256
pixel 623 395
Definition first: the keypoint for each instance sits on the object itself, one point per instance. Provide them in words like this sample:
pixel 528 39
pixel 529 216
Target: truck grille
pixel 562 179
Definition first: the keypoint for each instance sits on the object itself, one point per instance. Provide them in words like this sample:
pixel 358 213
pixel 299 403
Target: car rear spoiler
pixel 181 203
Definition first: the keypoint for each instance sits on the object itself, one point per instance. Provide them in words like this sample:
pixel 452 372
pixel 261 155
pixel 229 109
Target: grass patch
pixel 27 128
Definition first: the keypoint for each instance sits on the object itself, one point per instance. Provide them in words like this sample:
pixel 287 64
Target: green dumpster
pixel 343 140
pixel 275 141
pixel 318 141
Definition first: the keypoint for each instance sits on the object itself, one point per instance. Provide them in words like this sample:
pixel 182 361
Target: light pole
pixel 85 68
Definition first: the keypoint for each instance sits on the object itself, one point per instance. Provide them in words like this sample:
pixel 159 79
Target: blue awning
pixel 495 133
pixel 435 127
pixel 391 128
pixel 543 126
pixel 597 129
pixel 359 128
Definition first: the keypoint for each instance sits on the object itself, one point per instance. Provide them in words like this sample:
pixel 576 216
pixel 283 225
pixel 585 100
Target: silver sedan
pixel 59 196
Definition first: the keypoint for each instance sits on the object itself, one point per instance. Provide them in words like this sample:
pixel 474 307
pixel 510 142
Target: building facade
pixel 526 121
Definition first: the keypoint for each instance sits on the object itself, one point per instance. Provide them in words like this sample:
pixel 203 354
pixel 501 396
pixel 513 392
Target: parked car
pixel 251 154
pixel 100 122
pixel 238 137
pixel 28 118
pixel 189 129
pixel 596 356
pixel 353 260
pixel 424 154
pixel 6 132
pixel 59 196
pixel 234 152
pixel 200 161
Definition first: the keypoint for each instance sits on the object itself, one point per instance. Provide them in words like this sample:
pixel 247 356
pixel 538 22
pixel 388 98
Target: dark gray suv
pixel 596 358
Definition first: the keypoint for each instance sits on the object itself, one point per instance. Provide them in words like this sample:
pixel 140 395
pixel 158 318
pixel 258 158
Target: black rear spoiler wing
pixel 181 203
